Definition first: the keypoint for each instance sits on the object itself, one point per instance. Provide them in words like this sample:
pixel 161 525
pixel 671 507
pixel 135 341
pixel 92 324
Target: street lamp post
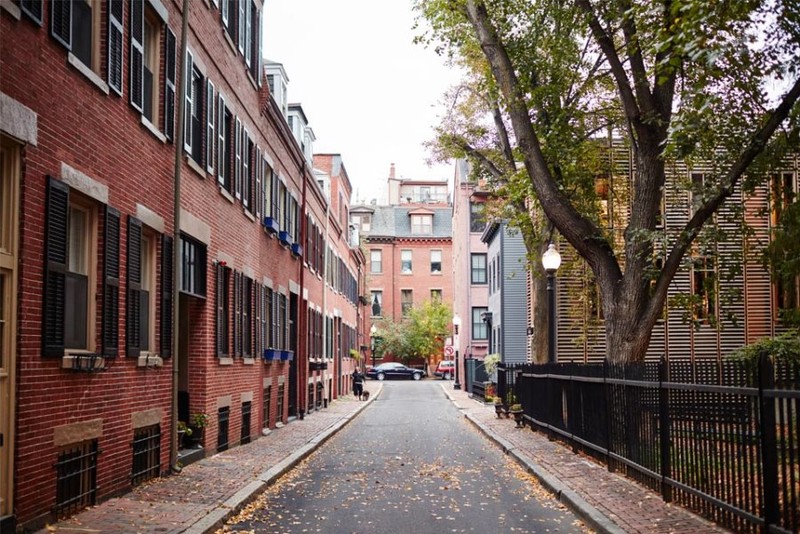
pixel 456 324
pixel 372 331
pixel 551 261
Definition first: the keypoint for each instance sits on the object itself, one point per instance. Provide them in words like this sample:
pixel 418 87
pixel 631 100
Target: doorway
pixel 293 393
pixel 9 225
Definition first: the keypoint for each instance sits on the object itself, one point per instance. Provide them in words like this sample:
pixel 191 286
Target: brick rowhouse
pixel 89 98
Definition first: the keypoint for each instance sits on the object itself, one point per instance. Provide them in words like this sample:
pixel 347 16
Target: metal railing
pixel 720 438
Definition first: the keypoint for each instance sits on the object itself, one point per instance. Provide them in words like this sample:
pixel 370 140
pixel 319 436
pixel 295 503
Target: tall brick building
pixel 89 103
pixel 408 247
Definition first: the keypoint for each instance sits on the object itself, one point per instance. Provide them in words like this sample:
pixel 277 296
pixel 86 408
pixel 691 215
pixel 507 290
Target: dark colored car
pixel 394 370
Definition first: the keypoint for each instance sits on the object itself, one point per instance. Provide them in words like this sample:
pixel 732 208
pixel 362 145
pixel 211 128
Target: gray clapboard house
pixel 508 302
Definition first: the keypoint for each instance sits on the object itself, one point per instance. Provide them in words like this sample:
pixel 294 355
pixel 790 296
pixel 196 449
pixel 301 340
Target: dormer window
pixel 422 224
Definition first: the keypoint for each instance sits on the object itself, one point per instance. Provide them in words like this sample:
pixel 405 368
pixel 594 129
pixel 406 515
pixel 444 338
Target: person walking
pixel 358 384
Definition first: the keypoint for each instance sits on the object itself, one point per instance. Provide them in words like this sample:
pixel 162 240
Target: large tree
pixel 711 82
pixel 419 334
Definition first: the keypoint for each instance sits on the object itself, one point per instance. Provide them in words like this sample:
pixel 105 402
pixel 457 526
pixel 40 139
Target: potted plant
pixel 511 400
pixel 498 405
pixel 516 409
pixel 183 430
pixel 197 422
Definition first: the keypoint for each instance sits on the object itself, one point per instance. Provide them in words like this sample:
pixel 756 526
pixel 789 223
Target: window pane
pixel 405 261
pixel 377 303
pixel 479 330
pixel 76 300
pixel 478 268
pixel 78 227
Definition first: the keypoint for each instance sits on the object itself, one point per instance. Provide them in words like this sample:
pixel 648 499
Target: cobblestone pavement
pixel 205 493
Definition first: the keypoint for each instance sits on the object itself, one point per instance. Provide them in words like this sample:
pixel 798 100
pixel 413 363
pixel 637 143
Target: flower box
pixel 297 249
pixel 271 354
pixel 287 355
pixel 271 225
pixel 283 235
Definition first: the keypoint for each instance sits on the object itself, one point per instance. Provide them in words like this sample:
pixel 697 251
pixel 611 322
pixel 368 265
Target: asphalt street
pixel 409 462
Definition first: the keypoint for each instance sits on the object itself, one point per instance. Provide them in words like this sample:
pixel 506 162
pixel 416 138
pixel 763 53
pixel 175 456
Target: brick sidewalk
pixel 609 502
pixel 206 492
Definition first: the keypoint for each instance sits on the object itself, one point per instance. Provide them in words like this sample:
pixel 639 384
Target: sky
pixel 369 93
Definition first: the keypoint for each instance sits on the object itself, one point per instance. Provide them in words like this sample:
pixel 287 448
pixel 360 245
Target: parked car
pixel 394 370
pixel 446 369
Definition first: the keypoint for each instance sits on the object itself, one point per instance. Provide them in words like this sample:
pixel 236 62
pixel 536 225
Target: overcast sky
pixel 368 92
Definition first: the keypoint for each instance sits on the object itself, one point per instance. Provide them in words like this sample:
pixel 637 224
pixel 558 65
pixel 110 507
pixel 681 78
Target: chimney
pixel 391 171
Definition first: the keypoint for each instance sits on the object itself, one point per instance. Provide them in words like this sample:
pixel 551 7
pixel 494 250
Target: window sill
pixel 153 130
pixel 13 10
pixel 228 38
pixel 249 361
pixel 86 71
pixel 227 196
pixel 194 166
pixel 250 77
pixel 249 215
pixel 225 360
pixel 149 360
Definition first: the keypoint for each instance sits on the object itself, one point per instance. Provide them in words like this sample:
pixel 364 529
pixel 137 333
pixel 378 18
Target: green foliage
pixel 551 83
pixel 199 420
pixel 183 427
pixel 785 347
pixel 420 334
pixel 511 398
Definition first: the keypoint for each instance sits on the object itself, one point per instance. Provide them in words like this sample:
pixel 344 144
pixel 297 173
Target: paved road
pixel 409 462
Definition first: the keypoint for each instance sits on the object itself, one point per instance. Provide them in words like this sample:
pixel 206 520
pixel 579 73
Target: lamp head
pixel 373 330
pixel 551 259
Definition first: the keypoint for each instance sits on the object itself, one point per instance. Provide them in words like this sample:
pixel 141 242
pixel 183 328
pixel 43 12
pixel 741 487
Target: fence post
pixel 608 412
pixel 664 430
pixel 769 442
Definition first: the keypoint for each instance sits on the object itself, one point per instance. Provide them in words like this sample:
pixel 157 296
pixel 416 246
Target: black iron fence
pixel 720 438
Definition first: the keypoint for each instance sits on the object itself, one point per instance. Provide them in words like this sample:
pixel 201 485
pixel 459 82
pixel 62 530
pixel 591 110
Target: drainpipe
pixel 302 320
pixel 325 278
pixel 176 239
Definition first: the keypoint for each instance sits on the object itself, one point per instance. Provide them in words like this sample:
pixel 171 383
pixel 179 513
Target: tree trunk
pixel 539 309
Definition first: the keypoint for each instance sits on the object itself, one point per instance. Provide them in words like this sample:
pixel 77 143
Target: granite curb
pixel 552 483
pixel 214 519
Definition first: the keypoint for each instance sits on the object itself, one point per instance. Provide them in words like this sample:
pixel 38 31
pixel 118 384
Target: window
pixel 405 261
pixel 375 263
pixel 146 454
pixel 141 303
pixel 146 31
pixel 195 123
pixel 223 310
pixel 406 300
pixel 436 295
pixel 480 330
pixel 225 125
pixel 436 261
pixel 151 60
pixel 76 323
pixel 377 303
pixel 425 194
pixel 211 136
pixel 76 477
pixel 422 224
pixel 193 267
pixel 247 317
pixel 704 291
pixel 85 30
pixel 265 409
pixel 477 217
pixel 478 268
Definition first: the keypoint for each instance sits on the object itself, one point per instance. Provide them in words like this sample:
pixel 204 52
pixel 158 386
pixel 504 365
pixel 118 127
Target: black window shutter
pixel 167 286
pixel 32 8
pixel 111 284
pixel 115 31
pixel 56 242
pixel 259 339
pixel 137 54
pixel 169 91
pixel 61 22
pixel 237 313
pixel 133 303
